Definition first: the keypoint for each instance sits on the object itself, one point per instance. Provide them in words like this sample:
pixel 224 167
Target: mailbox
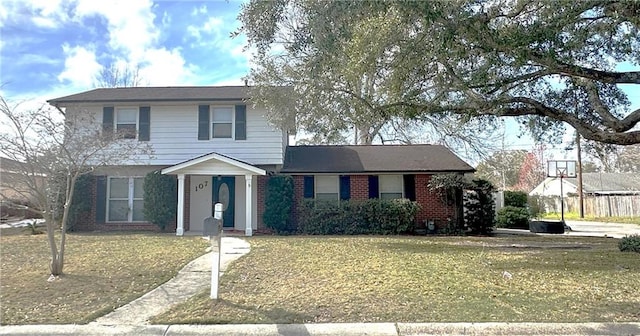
pixel 211 227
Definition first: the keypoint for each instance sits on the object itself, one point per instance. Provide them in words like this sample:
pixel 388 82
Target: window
pixel 222 122
pixel 127 122
pixel 125 199
pixel 391 186
pixel 327 188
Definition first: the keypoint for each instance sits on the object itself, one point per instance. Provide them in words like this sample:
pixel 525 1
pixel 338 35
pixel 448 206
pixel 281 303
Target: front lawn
pixel 102 272
pixel 423 279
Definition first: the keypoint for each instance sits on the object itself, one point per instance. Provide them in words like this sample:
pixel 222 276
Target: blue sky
pixel 52 48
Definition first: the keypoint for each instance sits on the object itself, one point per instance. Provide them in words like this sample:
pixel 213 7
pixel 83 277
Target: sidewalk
pixel 192 279
pixel 337 329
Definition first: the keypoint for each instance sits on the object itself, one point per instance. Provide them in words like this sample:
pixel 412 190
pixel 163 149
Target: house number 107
pixel 202 185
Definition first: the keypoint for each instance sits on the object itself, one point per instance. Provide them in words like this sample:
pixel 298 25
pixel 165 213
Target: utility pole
pixel 580 196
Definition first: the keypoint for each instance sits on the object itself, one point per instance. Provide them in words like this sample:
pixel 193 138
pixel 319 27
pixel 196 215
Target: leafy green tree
pixel 160 198
pixel 358 64
pixel 502 168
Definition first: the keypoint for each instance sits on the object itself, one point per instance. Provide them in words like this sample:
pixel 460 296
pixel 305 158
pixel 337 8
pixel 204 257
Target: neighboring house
pixel 222 150
pixel 593 184
pixel 605 194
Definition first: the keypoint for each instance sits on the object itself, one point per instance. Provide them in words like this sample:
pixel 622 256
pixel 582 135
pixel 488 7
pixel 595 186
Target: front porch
pixel 216 178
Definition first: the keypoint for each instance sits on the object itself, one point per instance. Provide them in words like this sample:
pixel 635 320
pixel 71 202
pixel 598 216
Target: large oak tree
pixel 360 64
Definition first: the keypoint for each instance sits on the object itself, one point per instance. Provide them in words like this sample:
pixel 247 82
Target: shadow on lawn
pixel 275 315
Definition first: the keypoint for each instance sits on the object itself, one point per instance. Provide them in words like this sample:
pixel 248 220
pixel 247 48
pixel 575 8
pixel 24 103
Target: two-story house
pixel 223 149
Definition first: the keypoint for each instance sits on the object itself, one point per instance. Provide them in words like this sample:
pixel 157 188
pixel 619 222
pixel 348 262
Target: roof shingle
pixel 144 94
pixel 372 159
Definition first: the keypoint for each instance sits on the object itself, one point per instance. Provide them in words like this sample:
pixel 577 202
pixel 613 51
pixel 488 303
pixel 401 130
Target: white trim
pixel 248 231
pixel 213 156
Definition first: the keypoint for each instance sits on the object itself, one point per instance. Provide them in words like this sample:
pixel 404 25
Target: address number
pixel 202 185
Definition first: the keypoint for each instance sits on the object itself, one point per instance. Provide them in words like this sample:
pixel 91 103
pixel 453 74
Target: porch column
pixel 248 231
pixel 180 215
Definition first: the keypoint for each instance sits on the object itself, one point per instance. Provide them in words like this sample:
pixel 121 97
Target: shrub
pixel 536 205
pixel 515 198
pixel 513 218
pixel 278 202
pixel 372 216
pixel 160 199
pixel 81 201
pixel 479 207
pixel 630 243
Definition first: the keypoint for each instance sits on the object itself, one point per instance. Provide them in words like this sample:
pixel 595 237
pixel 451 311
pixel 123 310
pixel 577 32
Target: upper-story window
pixel 221 122
pixel 127 122
pixel 391 186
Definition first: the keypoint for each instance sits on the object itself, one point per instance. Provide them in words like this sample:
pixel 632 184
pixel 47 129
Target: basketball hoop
pixel 561 169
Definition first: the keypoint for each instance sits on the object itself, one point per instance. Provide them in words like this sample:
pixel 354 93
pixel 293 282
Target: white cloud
pixel 130 24
pixel 42 13
pixel 80 66
pixel 166 67
pixel 211 27
pixel 199 10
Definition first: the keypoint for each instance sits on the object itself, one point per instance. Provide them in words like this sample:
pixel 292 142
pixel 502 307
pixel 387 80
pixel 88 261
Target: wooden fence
pixel 597 206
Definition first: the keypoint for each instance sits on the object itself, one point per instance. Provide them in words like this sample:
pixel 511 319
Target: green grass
pixel 422 279
pixel 576 216
pixel 102 272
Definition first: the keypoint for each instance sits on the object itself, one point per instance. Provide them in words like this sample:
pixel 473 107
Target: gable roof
pixel 144 94
pixel 214 163
pixel 607 183
pixel 372 159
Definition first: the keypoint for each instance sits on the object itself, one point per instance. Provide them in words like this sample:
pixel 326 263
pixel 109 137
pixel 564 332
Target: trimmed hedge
pixel 278 201
pixel 515 199
pixel 374 216
pixel 513 218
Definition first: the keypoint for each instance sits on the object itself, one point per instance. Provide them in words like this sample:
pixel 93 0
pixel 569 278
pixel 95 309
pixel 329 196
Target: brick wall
pixel 433 206
pixel 359 185
pixel 87 221
pixel 262 190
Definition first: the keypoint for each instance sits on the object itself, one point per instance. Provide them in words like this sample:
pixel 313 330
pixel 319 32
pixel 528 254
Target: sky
pixel 54 48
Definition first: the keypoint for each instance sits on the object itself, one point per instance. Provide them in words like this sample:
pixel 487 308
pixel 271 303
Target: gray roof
pixel 146 94
pixel 607 183
pixel 372 159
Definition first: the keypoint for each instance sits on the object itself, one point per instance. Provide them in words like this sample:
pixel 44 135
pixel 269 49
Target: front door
pixel 224 192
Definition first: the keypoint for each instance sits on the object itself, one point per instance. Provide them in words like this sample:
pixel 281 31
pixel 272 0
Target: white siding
pixel 174 136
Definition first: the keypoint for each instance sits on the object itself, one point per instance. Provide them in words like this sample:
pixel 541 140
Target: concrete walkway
pixel 192 279
pixel 337 329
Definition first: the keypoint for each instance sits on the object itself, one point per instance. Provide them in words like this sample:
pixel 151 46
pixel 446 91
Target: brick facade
pixel 359 185
pixel 261 190
pixel 87 221
pixel 433 206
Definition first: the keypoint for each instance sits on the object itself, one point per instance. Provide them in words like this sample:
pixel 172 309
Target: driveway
pixel 601 229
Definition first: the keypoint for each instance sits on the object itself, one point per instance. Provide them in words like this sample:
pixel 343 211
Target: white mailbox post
pixel 213 229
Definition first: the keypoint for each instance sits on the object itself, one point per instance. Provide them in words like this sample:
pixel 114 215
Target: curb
pixel 330 329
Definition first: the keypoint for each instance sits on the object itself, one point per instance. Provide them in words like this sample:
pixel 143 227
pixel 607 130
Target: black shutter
pixel 101 199
pixel 241 122
pixel 107 120
pixel 409 187
pixel 345 187
pixel 308 186
pixel 203 122
pixel 145 123
pixel 374 190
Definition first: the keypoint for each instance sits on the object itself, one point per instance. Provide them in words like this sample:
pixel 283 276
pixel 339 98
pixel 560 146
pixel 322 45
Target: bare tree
pixel 51 144
pixel 115 75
